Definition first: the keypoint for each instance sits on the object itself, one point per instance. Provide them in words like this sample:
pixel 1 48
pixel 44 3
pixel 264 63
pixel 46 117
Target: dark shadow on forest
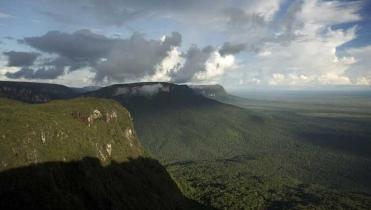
pixel 141 183
pixel 346 141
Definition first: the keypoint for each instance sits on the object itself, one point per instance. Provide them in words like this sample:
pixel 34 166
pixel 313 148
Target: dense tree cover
pixel 237 158
pixel 79 154
pixel 260 155
pixel 232 184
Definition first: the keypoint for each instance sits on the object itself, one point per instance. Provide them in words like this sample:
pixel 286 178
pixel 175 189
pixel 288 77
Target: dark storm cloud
pixel 231 49
pixel 39 73
pixel 195 62
pixel 135 58
pixel 112 59
pixel 81 45
pixel 21 58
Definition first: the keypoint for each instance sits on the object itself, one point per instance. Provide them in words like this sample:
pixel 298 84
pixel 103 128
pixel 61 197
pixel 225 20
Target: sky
pixel 236 43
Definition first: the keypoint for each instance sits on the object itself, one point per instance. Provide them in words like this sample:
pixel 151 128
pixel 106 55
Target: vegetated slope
pixel 233 158
pixel 176 124
pixel 331 152
pixel 78 154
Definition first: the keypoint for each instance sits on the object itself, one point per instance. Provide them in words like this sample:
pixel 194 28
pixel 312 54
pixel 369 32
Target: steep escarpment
pixel 78 154
pixel 65 130
pixel 175 123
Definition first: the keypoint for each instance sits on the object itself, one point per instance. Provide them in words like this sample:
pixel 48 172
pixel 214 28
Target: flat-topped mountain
pixel 212 91
pixel 169 117
pixel 151 95
pixel 32 92
pixel 35 92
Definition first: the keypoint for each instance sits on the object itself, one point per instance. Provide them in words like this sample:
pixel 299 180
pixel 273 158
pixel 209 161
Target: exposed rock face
pixel 129 135
pixel 111 116
pixel 95 115
pixel 109 149
pixel 43 137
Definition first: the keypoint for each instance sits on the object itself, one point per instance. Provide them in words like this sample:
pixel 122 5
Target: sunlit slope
pixel 79 154
pixel 65 130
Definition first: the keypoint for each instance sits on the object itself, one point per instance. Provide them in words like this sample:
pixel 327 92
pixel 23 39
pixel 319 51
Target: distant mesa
pixel 212 91
pixel 32 92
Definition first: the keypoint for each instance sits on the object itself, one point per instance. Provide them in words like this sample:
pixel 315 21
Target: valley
pixel 229 152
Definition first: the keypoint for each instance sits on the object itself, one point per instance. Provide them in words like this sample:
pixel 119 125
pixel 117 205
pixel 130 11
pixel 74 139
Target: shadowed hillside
pixel 140 183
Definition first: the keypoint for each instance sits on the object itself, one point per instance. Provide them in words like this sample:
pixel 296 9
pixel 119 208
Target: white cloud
pixel 4 68
pixel 172 63
pixel 216 66
pixel 297 47
pixel 360 70
pixel 80 78
pixel 311 57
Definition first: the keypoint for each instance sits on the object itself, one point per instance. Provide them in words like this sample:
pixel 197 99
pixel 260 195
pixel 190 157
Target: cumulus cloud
pixel 311 55
pixel 21 58
pixel 195 60
pixel 169 65
pixel 215 67
pixel 118 60
pixel 135 58
pixel 360 69
pixel 284 42
pixel 111 59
